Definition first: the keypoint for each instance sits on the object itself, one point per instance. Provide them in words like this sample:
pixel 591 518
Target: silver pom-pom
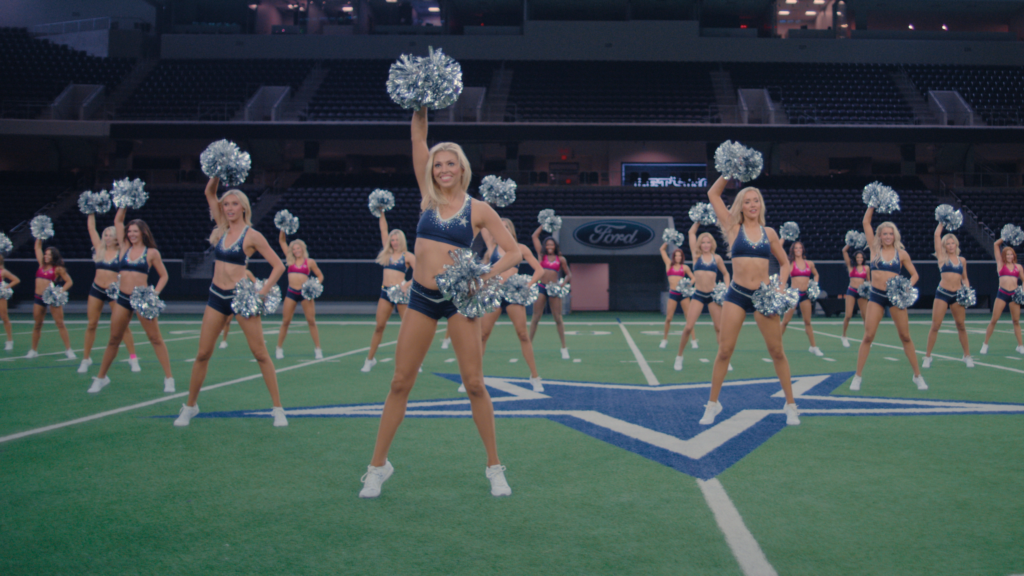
pixel 950 218
pixel 248 302
pixel 42 228
pixel 498 191
pixel 864 291
pixel 54 296
pixel 966 296
pixel 901 294
pixel 285 221
pixel 434 81
pixel 312 288
pixel 882 198
pixel 769 301
pixel 381 201
pixel 5 291
pixel 549 221
pixel 813 290
pixel 461 283
pixel 94 202
pixel 6 246
pixel 856 240
pixel 673 236
pixel 147 302
pixel 1018 296
pixel 396 295
pixel 685 287
pixel 703 213
pixel 273 299
pixel 223 159
pixel 718 294
pixel 789 231
pixel 1010 234
pixel 518 290
pixel 735 161
pixel 557 290
pixel 114 289
pixel 129 193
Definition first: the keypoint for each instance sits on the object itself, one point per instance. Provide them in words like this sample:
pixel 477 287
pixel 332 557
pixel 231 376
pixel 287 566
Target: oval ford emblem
pixel 614 234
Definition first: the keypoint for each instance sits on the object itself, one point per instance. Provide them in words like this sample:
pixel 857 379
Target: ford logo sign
pixel 613 234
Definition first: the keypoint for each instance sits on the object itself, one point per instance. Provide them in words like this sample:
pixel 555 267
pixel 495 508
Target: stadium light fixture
pixel 433 9
pixel 791 1
pixel 783 12
pixel 911 26
pixel 944 27
pixel 811 13
pixel 347 8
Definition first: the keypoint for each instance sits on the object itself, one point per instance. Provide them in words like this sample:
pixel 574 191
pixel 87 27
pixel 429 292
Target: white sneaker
pixel 919 380
pixel 223 344
pixel 168 385
pixel 792 417
pixel 984 349
pixel 711 409
pixel 693 343
pixel 98 384
pixel 816 351
pixel 134 363
pixel 855 383
pixel 927 362
pixel 663 345
pixel 537 385
pixel 318 354
pixel 374 478
pixel 1019 349
pixel 462 388
pixel 367 364
pixel 279 353
pixel 969 361
pixel 186 414
pixel 34 354
pixel 70 354
pixel 678 364
pixel 730 366
pixel 9 345
pixel 499 486
pixel 565 353
pixel 846 342
pixel 420 370
pixel 446 343
pixel 84 366
pixel 280 419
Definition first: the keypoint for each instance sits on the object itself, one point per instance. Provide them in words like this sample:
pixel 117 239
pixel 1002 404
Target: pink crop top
pixel 296 269
pixel 800 272
pixel 855 274
pixel 677 271
pixel 1008 271
pixel 50 274
pixel 547 264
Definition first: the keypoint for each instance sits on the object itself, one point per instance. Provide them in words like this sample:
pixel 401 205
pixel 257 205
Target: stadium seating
pixel 995 208
pixel 995 92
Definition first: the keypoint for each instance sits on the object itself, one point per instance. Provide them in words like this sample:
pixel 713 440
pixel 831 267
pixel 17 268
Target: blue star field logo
pixel 660 423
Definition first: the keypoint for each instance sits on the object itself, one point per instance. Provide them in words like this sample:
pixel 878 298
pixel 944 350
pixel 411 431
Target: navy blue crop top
pixel 233 255
pixel 894 265
pixel 456 231
pixel 495 256
pixel 113 265
pixel 700 266
pixel 139 265
pixel 949 267
pixel 398 265
pixel 743 248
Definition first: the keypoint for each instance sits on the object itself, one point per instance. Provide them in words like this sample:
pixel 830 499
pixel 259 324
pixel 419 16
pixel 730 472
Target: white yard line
pixel 644 366
pixel 744 547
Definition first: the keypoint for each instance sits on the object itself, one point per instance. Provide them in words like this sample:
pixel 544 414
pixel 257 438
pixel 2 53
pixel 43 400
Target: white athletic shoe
pixel 318 354
pixel 98 384
pixel 223 344
pixel 1019 349
pixel 446 343
pixel 792 417
pixel 565 353
pixel 664 344
pixel 32 354
pixel 70 354
pixel 678 364
pixel 168 385
pixel 816 351
pixel 919 380
pixel 279 353
pixel 927 362
pixel 84 366
pixel 730 366
pixel 855 383
pixel 969 361
pixel 846 342
pixel 693 343
pixel 374 478
pixel 462 388
pixel 9 345
pixel 984 348
pixel 537 385
pixel 186 414
pixel 368 365
pixel 280 419
pixel 711 409
pixel 134 363
pixel 499 486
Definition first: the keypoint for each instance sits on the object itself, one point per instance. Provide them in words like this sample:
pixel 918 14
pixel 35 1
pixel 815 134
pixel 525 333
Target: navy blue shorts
pixel 945 295
pixel 97 292
pixel 851 291
pixel 703 297
pixel 541 289
pixel 220 300
pixel 803 296
pixel 39 300
pixel 880 298
pixel 741 297
pixel 294 294
pixel 1003 295
pixel 124 300
pixel 676 296
pixel 430 303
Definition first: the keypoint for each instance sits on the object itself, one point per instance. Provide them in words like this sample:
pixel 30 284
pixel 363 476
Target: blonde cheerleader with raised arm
pixel 706 267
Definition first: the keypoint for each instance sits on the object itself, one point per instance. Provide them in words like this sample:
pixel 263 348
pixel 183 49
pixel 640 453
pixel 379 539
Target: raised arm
pixel 721 211
pixel 940 254
pixel 158 263
pixel 538 270
pixel 315 269
pixel 420 151
pixel 691 237
pixel 721 268
pixel 909 265
pixel 567 278
pixel 11 279
pixel 384 232
pixel 997 248
pixel 97 243
pixel 846 258
pixel 780 255
pixel 119 229
pixel 536 242
pixel 664 255
pixel 211 198
pixel 869 232
pixel 39 252
pixel 282 239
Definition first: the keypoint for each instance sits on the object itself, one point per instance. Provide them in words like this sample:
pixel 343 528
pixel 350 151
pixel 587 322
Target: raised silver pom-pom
pixel 1018 296
pixel 5 291
pixel 673 236
pixel 94 202
pixel 856 240
pixel 950 218
pixel 6 246
pixel 556 290
pixel 789 231
pixel 518 290
pixel 703 213
pixel 225 160
pixel 129 193
pixel 147 302
pixel 718 294
pixel 882 198
pixel 1012 235
pixel 966 296
pixel 42 228
pixel 434 81
pixel 549 221
pixel 685 287
pixel 498 191
pixel 769 301
pixel 114 289
pixel 381 201
pixel 813 290
pixel 286 222
pixel 396 295
pixel 864 291
pixel 735 161
pixel 312 288
pixel 54 296
pixel 900 292
pixel 461 283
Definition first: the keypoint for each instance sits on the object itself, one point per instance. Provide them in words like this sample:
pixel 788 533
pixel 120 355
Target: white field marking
pixel 768 360
pixel 744 547
pixel 140 342
pixel 383 360
pixel 449 360
pixel 634 361
pixel 827 359
pixel 891 359
pixel 656 333
pixel 576 360
pixel 47 331
pixel 1013 358
pixel 644 367
pixel 513 360
pixel 802 385
pixel 705 360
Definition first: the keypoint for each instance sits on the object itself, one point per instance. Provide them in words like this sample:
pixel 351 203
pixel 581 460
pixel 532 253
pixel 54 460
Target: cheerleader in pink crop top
pixel 676 270
pixel 552 261
pixel 1010 273
pixel 51 271
pixel 300 268
pixel 859 270
pixel 801 272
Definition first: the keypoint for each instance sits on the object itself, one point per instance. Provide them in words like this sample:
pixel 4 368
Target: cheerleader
pixel 450 220
pixel 51 269
pixel 800 272
pixel 138 256
pixel 953 275
pixel 393 243
pixel 1010 272
pixel 751 242
pixel 676 269
pixel 552 261
pixel 107 256
pixel 298 273
pixel 859 272
pixel 516 312
pixel 888 258
pixel 706 266
pixel 234 241
pixel 12 281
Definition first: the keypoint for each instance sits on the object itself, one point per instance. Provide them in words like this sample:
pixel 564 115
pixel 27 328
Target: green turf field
pixel 121 491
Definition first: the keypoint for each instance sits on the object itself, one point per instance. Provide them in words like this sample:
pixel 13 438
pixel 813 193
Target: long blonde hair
pixel 384 256
pixel 511 228
pixel 99 254
pixel 942 244
pixel 433 197
pixel 290 256
pixel 876 246
pixel 700 240
pixel 736 213
pixel 222 228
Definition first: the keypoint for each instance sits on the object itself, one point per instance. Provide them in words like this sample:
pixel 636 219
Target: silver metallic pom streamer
pixel 129 193
pixel 498 191
pixel 273 299
pixel 147 302
pixel 248 302
pixel 864 291
pixel 6 246
pixel 558 290
pixel 718 294
pixel 94 202
pixel 461 283
pixel 966 296
pixel 484 301
pixel 223 159
pixel 552 225
pixel 856 240
pixel 285 221
pixel 381 201
pixel 673 236
pixel 686 287
pixel 813 290
pixel 114 289
pixel 1018 296
pixel 735 161
pixel 54 296
pixel 900 292
pixel 950 218
pixel 396 295
pixel 544 215
pixel 518 290
pixel 882 198
pixel 1012 235
pixel 768 300
pixel 434 81
pixel 789 231
pixel 5 291
pixel 792 298
pixel 312 288
pixel 42 228
pixel 703 213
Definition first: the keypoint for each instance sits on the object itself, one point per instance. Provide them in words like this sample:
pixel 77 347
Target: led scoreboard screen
pixel 664 175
